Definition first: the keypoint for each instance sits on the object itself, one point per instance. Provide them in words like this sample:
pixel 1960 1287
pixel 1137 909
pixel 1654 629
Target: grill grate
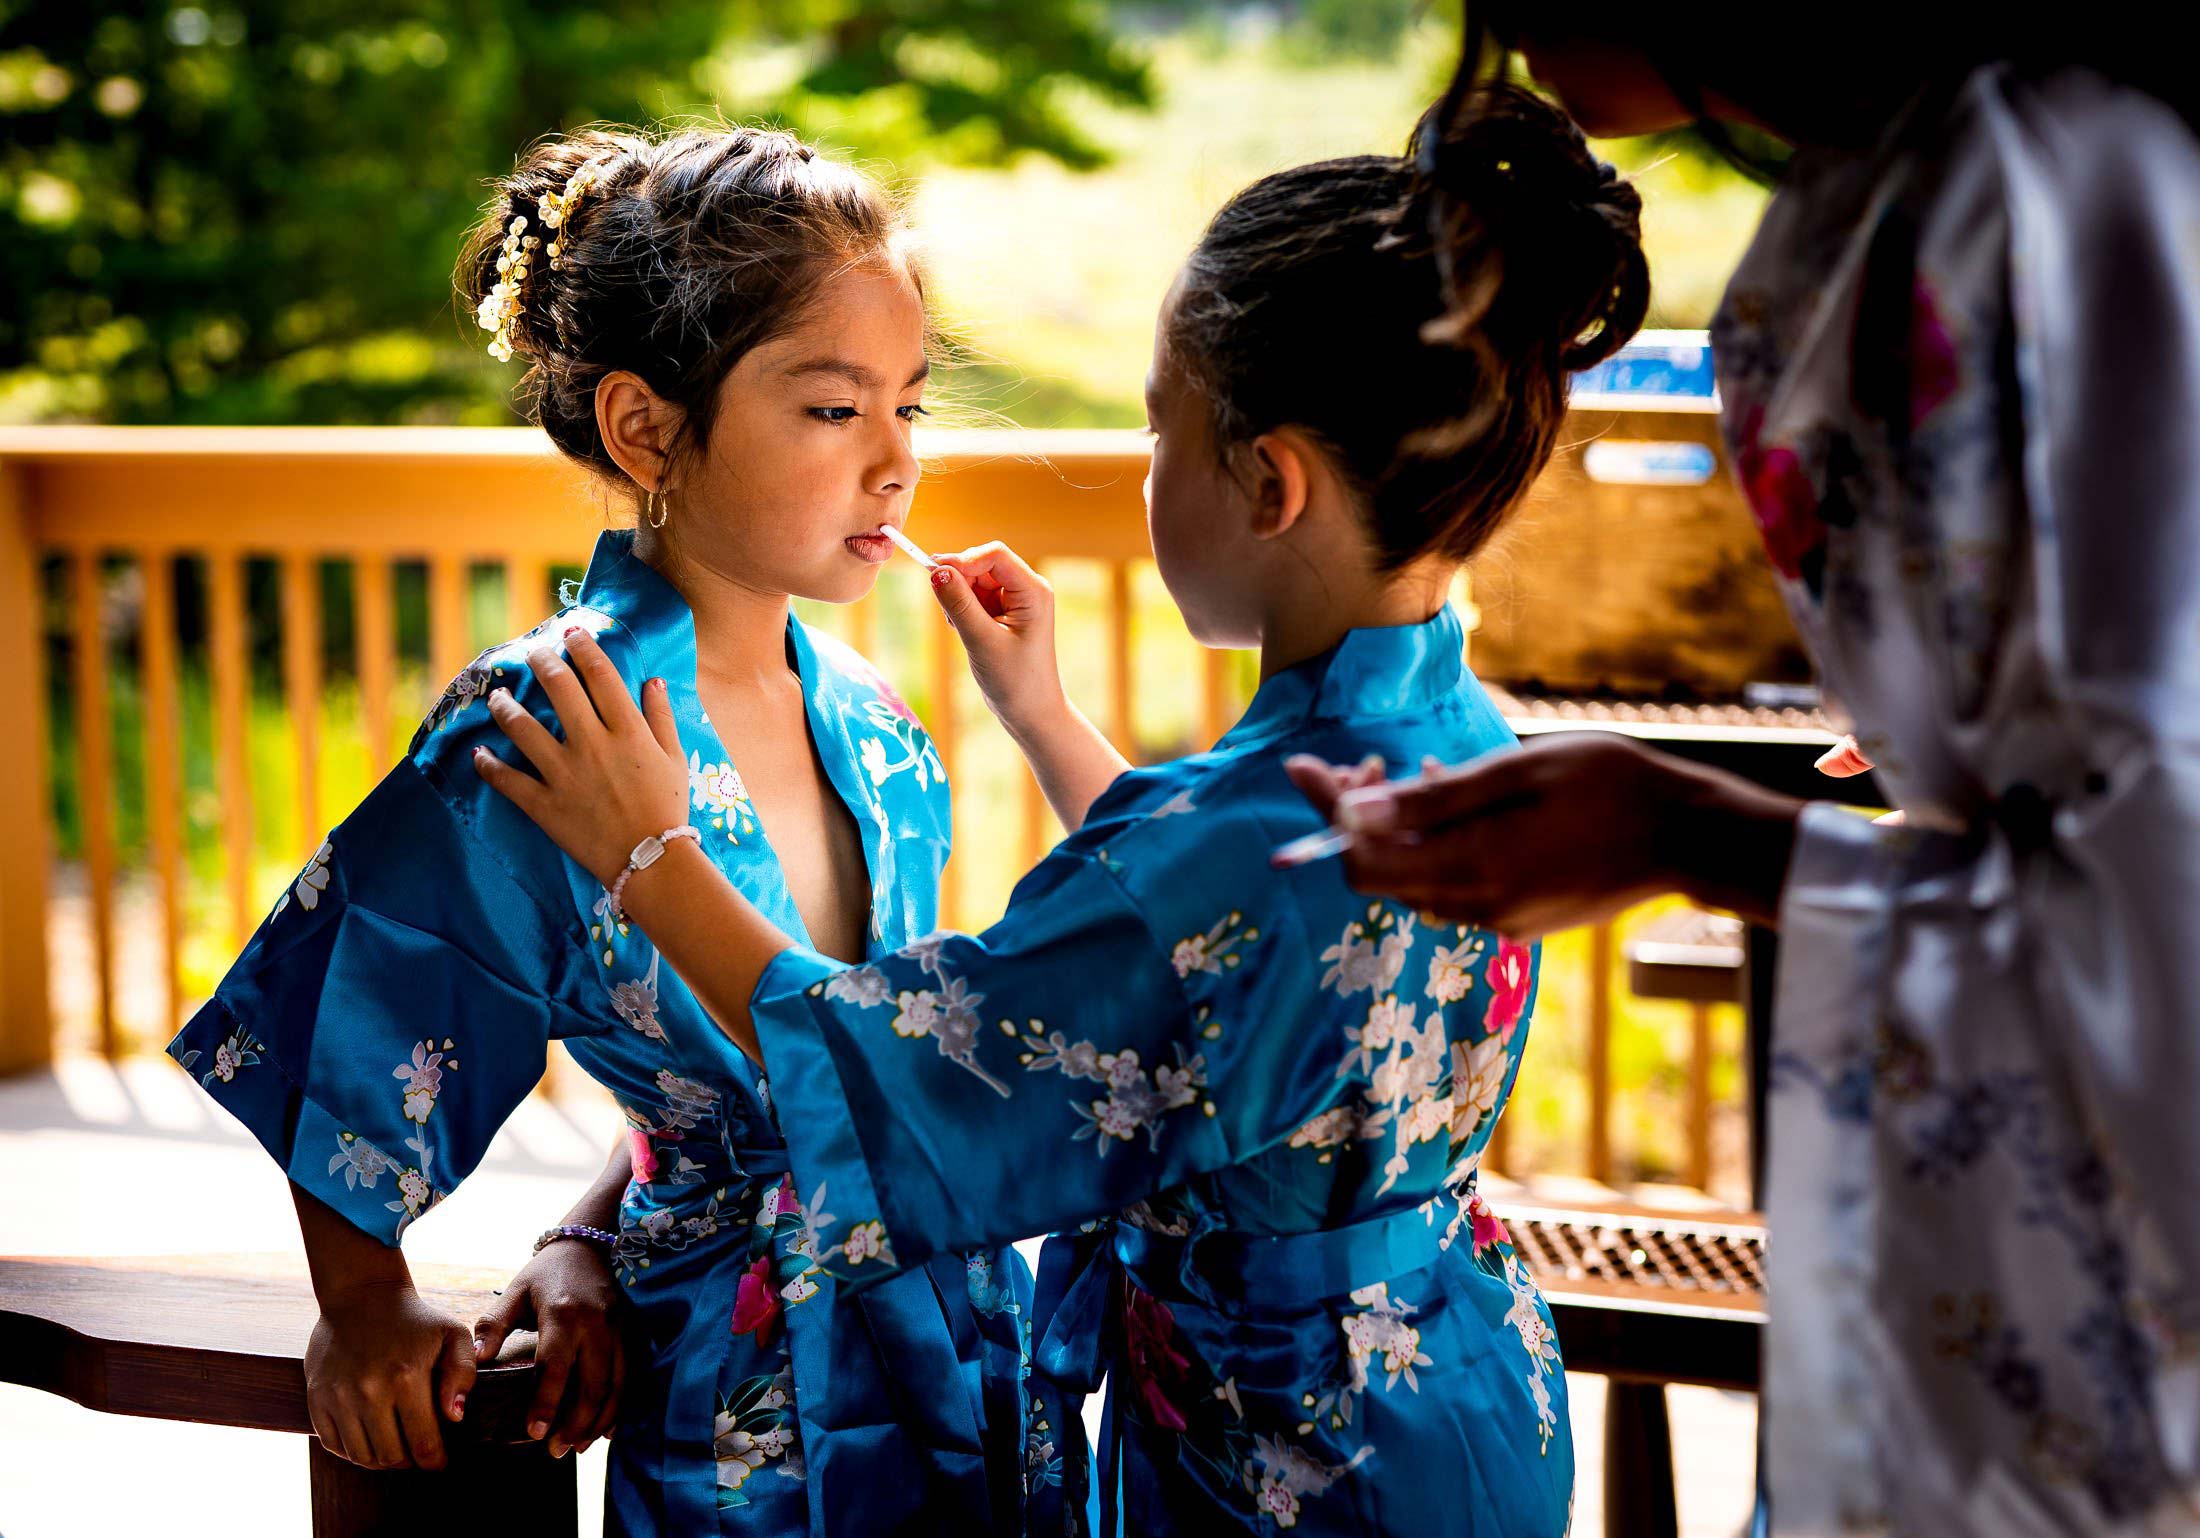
pixel 1669 1256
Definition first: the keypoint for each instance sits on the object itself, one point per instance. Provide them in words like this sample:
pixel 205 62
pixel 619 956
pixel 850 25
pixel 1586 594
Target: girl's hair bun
pixel 1536 240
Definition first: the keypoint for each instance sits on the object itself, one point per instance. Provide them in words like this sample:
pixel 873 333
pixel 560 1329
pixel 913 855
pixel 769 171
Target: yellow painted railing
pixel 81 508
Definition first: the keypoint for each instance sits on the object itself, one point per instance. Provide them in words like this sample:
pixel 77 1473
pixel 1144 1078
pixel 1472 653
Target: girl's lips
pixel 870 547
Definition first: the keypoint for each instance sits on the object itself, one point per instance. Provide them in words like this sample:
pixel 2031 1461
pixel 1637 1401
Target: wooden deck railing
pixel 434 506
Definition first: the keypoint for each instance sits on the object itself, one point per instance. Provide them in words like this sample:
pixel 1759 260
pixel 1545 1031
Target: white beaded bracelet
pixel 647 853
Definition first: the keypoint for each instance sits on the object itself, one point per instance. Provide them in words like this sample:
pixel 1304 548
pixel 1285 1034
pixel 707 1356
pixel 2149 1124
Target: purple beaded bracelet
pixel 577 1231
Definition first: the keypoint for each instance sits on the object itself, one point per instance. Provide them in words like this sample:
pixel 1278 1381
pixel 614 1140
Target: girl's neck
pixel 740 631
pixel 1301 628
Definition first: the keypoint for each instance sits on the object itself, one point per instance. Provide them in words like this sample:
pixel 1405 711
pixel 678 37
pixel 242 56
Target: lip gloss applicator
pixel 907 546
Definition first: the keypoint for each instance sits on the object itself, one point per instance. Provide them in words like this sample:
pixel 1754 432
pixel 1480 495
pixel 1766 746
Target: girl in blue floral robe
pixel 395 1006
pixel 1253 1100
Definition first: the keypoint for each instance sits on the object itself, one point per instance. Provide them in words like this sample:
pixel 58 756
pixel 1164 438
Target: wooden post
pixel 375 635
pixel 302 686
pixel 1638 1462
pixel 1699 1095
pixel 232 670
pixel 1600 1052
pixel 163 792
pixel 95 774
pixel 1121 684
pixel 26 1028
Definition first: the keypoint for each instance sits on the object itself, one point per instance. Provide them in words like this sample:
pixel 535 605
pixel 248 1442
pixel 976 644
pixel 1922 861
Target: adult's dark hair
pixel 688 249
pixel 1419 315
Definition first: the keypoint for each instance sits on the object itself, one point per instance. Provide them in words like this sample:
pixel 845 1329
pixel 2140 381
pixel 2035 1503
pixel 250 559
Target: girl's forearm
pixel 709 933
pixel 341 1257
pixel 1071 757
pixel 599 1204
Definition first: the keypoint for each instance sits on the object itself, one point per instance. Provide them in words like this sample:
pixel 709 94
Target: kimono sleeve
pixel 391 1011
pixel 972 1089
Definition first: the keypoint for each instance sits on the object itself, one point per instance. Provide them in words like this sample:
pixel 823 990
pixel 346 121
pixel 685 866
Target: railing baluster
pixel 1121 723
pixel 163 789
pixel 1214 696
pixel 1600 1052
pixel 302 685
pixel 232 690
pixel 95 775
pixel 376 630
pixel 526 594
pixel 26 1018
pixel 448 647
pixel 1699 1096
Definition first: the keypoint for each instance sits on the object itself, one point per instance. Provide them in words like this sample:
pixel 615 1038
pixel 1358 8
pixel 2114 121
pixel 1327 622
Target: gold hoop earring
pixel 657 510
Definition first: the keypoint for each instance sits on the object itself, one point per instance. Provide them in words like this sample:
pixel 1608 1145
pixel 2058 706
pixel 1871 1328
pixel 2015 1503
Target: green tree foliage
pixel 246 210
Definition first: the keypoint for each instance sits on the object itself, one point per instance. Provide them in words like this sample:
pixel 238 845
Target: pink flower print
pixel 1781 499
pixel 643 1153
pixel 757 1310
pixel 1511 976
pixel 1935 371
pixel 1489 1228
pixel 1156 1366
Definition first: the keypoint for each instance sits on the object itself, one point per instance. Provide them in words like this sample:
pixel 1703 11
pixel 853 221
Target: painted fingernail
pixel 536 1429
pixel 942 575
pixel 458 1408
pixel 572 631
pixel 1372 810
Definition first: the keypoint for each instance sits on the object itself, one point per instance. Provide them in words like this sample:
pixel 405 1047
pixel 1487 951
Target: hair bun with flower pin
pixel 499 310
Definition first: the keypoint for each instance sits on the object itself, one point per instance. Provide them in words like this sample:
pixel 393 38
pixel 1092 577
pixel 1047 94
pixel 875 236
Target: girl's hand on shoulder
pixel 384 1369
pixel 617 778
pixel 567 1295
pixel 1004 612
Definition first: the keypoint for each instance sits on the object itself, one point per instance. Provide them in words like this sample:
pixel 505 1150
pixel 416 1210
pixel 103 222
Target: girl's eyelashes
pixel 841 416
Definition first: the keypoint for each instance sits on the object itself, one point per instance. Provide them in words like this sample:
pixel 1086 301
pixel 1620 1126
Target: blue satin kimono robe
pixel 394 1007
pixel 1261 1094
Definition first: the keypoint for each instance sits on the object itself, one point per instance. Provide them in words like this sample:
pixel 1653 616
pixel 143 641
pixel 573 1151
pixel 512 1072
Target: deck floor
pixel 130 1159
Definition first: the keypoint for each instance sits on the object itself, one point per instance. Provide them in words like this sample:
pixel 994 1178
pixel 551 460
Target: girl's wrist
pixel 1037 719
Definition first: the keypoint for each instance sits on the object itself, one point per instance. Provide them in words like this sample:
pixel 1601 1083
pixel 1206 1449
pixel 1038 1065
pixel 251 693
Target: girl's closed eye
pixel 840 416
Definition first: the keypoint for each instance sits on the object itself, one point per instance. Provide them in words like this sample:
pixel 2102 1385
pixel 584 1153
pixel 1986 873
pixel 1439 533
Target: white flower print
pixel 1358 960
pixel 1214 950
pixel 1278 1474
pixel 801 1289
pixel 687 1102
pixel 738 1453
pixel 1134 1103
pixel 423 1078
pixel 865 987
pixel 1176 806
pixel 1478 1078
pixel 313 880
pixel 635 1001
pixel 950 1017
pixel 361 1162
pixel 225 1063
pixel 1330 1129
pixel 1382 1328
pixel 1451 971
pixel 873 755
pixel 1546 1416
pixel 1526 1315
pixel 718 793
pixel 412 1188
pixel 867 1241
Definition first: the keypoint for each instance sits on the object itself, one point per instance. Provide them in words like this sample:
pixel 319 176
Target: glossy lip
pixel 873 548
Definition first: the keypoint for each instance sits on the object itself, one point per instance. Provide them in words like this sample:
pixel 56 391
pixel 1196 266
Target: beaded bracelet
pixel 580 1231
pixel 647 853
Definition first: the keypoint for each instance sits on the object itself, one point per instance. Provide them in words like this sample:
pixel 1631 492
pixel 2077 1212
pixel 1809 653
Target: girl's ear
pixel 1282 474
pixel 638 426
